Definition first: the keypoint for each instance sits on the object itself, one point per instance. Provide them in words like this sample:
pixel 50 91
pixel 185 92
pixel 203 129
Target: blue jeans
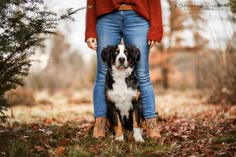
pixel 133 29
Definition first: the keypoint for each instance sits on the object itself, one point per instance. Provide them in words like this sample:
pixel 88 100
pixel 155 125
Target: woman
pixel 139 23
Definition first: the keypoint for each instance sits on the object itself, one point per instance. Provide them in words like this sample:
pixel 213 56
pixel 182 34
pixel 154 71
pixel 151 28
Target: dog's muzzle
pixel 122 63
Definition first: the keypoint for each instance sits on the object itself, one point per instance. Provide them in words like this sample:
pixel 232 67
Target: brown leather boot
pixel 151 127
pixel 99 127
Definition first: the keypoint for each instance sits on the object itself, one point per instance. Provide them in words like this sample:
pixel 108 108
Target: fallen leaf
pixel 60 151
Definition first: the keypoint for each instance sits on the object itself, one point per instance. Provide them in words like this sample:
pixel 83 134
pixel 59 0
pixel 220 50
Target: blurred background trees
pixel 23 26
pixel 223 74
pixel 188 58
pixel 65 69
pixel 233 6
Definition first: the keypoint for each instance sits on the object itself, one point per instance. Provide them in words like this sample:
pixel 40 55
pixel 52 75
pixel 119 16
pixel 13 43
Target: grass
pixel 227 138
pixel 109 147
pixel 188 128
pixel 24 140
pixel 39 139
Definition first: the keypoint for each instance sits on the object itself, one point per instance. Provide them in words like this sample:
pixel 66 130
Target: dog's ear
pixel 134 52
pixel 106 53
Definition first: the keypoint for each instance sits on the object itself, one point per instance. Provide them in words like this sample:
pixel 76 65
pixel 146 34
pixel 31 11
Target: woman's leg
pixel 108 33
pixel 135 32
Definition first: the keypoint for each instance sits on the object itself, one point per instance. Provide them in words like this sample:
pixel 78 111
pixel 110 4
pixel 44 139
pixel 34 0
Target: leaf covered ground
pixel 189 127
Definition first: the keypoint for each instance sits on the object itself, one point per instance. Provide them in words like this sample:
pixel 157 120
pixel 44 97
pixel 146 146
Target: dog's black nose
pixel 121 59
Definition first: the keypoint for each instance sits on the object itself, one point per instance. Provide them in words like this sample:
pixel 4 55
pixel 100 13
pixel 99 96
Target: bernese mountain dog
pixel 122 91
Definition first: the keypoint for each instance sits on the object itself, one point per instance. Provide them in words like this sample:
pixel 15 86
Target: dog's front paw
pixel 138 135
pixel 138 139
pixel 120 138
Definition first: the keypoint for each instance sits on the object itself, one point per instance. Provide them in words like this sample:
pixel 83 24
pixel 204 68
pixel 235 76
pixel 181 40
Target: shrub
pixel 20 96
pixel 222 81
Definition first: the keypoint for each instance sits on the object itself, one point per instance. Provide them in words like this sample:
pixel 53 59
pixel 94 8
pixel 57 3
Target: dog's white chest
pixel 121 95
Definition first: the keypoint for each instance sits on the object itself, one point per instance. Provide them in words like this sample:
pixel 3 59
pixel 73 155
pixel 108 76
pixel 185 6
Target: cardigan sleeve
pixel 90 28
pixel 156 27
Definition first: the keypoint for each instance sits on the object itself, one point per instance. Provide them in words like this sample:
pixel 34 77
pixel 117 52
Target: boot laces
pixel 151 123
pixel 102 125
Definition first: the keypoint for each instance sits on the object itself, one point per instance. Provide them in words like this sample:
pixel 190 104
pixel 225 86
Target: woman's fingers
pixel 151 43
pixel 95 43
pixel 92 43
pixel 89 42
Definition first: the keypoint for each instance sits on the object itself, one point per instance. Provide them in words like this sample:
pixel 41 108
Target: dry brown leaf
pixel 60 151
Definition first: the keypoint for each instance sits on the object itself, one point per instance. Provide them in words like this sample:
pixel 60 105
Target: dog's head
pixel 121 56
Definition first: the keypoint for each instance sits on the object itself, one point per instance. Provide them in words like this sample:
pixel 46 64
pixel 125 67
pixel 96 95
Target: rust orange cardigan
pixel 149 9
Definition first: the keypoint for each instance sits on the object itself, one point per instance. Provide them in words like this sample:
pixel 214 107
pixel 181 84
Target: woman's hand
pixel 151 43
pixel 92 43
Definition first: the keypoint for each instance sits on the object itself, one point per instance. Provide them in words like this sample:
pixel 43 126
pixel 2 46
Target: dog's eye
pixel 126 52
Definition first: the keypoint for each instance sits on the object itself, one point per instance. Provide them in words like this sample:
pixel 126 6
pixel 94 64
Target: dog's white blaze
pixel 121 54
pixel 138 135
pixel 120 94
